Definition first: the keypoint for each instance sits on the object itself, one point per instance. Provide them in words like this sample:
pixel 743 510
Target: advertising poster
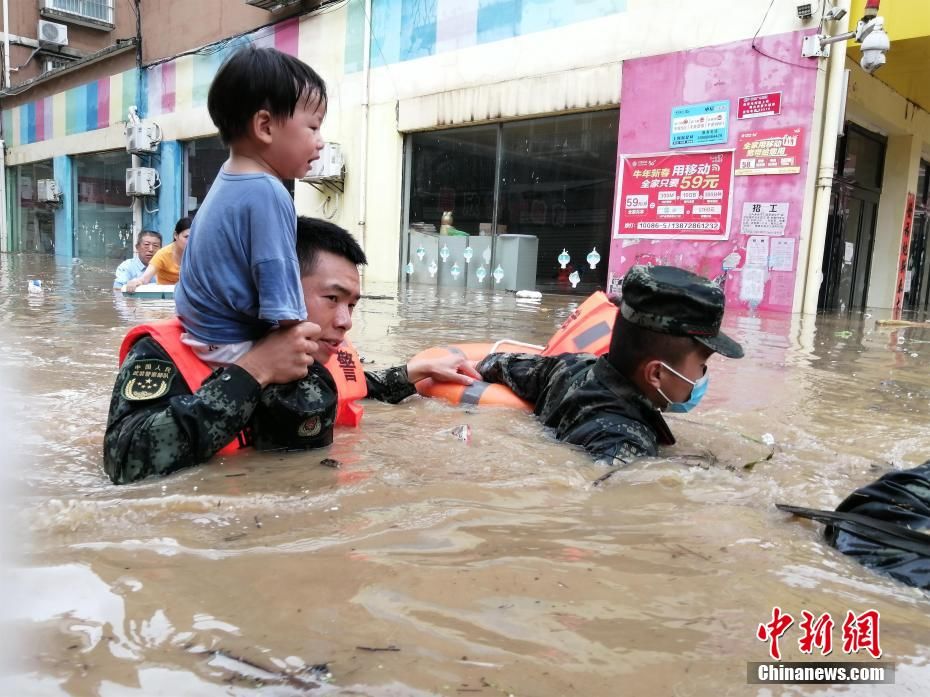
pixel 757 105
pixel 764 218
pixel 700 124
pixel 683 195
pixel 772 151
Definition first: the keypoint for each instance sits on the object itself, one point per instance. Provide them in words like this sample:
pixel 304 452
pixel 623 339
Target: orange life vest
pixel 587 330
pixel 344 366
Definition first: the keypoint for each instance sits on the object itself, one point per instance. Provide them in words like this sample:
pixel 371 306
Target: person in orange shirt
pixel 165 267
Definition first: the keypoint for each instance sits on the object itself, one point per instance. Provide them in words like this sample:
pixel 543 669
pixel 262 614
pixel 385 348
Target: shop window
pixel 32 223
pixel 203 159
pixel 103 215
pixel 454 171
pixel 551 179
pixel 557 184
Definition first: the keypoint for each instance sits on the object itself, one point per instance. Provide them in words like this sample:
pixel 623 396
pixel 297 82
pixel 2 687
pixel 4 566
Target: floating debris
pixel 463 433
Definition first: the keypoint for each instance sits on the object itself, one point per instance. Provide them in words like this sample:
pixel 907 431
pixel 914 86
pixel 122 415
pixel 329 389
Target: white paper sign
pixel 849 253
pixel 757 251
pixel 760 218
pixel 752 285
pixel 781 254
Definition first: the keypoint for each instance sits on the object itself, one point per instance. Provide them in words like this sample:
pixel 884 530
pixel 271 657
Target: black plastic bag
pixel 884 525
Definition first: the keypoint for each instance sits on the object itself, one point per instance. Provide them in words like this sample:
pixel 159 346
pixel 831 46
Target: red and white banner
pixel 675 195
pixel 772 151
pixel 757 105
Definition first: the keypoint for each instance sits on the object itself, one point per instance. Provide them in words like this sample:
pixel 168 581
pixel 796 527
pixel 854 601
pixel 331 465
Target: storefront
pixel 471 119
pixel 103 214
pixel 917 277
pixel 851 226
pixel 32 222
pixel 541 186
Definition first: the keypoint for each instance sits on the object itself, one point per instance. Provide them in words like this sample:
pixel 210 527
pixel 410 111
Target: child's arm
pixel 273 257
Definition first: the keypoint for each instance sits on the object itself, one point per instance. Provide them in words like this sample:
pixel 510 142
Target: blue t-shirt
pixel 128 270
pixel 240 275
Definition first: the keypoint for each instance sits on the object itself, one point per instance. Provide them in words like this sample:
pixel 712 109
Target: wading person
pixel 165 265
pixel 147 244
pixel 667 327
pixel 159 424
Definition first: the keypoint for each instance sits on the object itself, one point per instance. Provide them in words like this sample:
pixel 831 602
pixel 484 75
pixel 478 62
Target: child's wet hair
pixel 260 78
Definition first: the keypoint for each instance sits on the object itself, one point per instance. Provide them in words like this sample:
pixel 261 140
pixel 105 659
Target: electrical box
pixel 330 166
pixel 142 137
pixel 141 181
pixel 47 191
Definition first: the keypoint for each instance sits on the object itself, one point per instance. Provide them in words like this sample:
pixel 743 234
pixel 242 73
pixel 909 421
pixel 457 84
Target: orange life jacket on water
pixel 344 366
pixel 587 330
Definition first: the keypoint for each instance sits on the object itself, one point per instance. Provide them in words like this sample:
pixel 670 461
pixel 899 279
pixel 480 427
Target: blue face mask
pixel 698 390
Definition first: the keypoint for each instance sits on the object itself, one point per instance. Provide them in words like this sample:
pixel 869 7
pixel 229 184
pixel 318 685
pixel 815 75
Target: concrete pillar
pixel 171 172
pixel 902 161
pixel 63 171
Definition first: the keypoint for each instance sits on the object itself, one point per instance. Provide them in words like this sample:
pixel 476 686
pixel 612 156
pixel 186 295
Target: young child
pixel 667 326
pixel 240 276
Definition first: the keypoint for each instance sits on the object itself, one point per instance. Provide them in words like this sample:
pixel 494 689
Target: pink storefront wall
pixel 653 86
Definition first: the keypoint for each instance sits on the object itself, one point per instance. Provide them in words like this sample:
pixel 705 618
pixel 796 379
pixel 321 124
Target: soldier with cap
pixel 667 327
pixel 278 395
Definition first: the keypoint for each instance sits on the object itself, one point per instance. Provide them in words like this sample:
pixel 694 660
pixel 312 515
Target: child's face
pixel 296 142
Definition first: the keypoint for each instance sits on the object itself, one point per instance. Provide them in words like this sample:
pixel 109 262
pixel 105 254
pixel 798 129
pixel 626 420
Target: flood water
pixel 428 566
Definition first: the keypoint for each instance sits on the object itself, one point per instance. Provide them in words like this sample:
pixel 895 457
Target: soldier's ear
pixel 650 372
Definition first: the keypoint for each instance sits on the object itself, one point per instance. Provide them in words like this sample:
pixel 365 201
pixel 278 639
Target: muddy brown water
pixel 428 566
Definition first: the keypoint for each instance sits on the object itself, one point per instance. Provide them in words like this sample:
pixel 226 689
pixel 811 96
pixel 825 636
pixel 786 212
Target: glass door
pixel 850 239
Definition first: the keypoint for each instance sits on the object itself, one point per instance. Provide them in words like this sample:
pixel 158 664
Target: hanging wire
pixel 776 58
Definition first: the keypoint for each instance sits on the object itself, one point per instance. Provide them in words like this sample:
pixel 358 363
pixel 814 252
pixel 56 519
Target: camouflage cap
pixel 671 300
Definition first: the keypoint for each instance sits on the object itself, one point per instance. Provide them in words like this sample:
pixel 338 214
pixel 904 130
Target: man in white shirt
pixel 147 244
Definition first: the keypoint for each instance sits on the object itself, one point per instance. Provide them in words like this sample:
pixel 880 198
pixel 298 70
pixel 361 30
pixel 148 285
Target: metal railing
pixel 99 10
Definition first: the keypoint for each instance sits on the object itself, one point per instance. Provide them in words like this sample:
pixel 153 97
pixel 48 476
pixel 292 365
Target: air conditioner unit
pixel 142 137
pixel 330 166
pixel 141 181
pixel 52 33
pixel 47 191
pixel 273 5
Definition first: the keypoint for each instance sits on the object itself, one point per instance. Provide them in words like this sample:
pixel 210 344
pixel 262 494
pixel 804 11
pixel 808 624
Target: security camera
pixel 835 13
pixel 873 42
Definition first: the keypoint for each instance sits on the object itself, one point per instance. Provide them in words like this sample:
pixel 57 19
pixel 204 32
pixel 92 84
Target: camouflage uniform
pixel 156 426
pixel 585 400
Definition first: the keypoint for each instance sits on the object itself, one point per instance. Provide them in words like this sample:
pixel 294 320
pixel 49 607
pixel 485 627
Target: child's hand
pixel 451 368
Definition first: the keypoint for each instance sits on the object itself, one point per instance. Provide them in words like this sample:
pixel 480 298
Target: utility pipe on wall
pixel 6 44
pixel 4 241
pixel 363 149
pixel 136 161
pixel 836 65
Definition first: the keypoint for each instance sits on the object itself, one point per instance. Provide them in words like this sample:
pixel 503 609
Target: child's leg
pixel 217 355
